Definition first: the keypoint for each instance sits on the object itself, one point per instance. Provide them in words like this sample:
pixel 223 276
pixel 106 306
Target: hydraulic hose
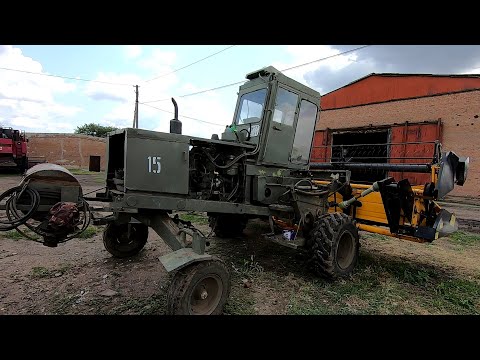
pixel 13 195
pixel 17 218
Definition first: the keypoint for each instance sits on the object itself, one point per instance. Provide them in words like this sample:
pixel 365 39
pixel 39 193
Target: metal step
pixel 279 239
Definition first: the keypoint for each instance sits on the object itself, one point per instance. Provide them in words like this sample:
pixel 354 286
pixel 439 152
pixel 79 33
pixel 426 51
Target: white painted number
pixel 154 161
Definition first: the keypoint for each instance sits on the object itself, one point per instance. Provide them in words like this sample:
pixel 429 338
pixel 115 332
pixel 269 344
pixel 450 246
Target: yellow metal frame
pixel 373 211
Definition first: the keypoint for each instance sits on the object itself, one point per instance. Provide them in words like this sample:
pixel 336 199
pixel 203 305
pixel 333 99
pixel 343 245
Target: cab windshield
pixel 251 107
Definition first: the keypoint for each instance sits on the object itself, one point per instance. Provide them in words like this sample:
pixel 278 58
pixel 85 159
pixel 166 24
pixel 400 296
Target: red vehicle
pixel 13 149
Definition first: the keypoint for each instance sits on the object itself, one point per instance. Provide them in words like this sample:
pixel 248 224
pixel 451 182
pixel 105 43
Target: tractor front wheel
pixel 334 246
pixel 125 240
pixel 199 289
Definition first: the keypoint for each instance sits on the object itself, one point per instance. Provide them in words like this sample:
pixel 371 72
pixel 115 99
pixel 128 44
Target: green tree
pixel 94 130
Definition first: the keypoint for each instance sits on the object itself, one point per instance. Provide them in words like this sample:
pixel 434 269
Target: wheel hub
pixel 345 250
pixel 206 295
pixel 203 294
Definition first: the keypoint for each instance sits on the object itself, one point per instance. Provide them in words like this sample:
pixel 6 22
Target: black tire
pixel 227 226
pixel 23 165
pixel 334 245
pixel 119 244
pixel 201 288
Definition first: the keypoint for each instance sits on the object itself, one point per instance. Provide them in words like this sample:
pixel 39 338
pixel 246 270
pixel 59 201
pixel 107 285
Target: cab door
pixel 281 129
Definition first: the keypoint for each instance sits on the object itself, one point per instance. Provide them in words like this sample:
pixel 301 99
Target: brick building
pixel 412 111
pixel 69 150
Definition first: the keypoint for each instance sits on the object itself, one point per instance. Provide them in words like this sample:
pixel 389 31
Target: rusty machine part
pixel 48 201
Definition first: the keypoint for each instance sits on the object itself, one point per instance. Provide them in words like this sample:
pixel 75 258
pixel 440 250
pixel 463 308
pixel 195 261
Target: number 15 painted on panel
pixel 154 165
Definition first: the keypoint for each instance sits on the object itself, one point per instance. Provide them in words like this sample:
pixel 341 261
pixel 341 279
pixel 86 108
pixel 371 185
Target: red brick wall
pixel 69 150
pixel 461 129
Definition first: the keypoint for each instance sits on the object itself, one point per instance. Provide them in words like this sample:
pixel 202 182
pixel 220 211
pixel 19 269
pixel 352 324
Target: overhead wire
pixel 187 117
pixel 113 83
pixel 146 103
pixel 239 82
pixel 65 77
pixel 193 63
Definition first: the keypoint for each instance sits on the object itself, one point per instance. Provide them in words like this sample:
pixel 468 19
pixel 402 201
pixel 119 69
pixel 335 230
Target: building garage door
pixel 416 145
pixel 407 143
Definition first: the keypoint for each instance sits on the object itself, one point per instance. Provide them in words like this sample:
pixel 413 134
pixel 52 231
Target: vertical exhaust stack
pixel 175 124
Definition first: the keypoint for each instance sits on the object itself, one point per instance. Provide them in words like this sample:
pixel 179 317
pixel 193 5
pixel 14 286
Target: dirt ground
pixel 81 277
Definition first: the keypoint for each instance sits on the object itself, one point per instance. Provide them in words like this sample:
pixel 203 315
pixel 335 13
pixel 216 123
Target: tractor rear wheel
pixel 122 243
pixel 334 245
pixel 227 225
pixel 201 288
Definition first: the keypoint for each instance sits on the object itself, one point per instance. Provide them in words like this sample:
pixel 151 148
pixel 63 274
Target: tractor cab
pixel 278 115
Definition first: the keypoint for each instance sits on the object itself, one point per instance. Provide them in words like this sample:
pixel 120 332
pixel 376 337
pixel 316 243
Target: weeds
pixel 89 232
pixel 464 238
pixel 194 218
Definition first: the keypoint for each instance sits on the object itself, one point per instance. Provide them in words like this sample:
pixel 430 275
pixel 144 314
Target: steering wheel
pixel 248 134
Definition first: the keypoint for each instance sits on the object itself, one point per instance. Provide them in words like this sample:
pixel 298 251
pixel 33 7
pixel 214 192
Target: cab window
pixel 302 141
pixel 251 107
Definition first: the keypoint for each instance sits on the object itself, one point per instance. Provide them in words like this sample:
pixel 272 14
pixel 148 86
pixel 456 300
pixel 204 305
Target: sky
pixel 38 103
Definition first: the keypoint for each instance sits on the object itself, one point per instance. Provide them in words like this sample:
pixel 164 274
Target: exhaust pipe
pixel 175 124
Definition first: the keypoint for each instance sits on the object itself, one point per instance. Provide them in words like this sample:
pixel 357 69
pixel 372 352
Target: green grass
pixel 99 179
pixel 62 304
pixel 381 285
pixel 40 272
pixel 194 218
pixel 13 234
pixel 89 232
pixel 153 305
pixel 465 238
pixel 79 171
pixel 241 300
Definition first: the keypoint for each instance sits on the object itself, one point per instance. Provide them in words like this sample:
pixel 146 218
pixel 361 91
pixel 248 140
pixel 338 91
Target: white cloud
pixel 159 62
pixel 27 101
pixel 475 70
pixel 305 53
pixel 120 93
pixel 133 51
pixel 120 116
pixel 213 107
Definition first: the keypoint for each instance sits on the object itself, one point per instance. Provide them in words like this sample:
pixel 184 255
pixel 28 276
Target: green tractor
pixel 257 168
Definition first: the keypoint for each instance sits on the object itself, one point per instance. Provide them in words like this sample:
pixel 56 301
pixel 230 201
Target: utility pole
pixel 135 114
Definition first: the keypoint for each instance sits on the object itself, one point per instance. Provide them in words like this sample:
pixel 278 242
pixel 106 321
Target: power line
pixel 187 117
pixel 65 77
pixel 198 92
pixel 195 62
pixel 239 82
pixel 112 83
pixel 325 58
